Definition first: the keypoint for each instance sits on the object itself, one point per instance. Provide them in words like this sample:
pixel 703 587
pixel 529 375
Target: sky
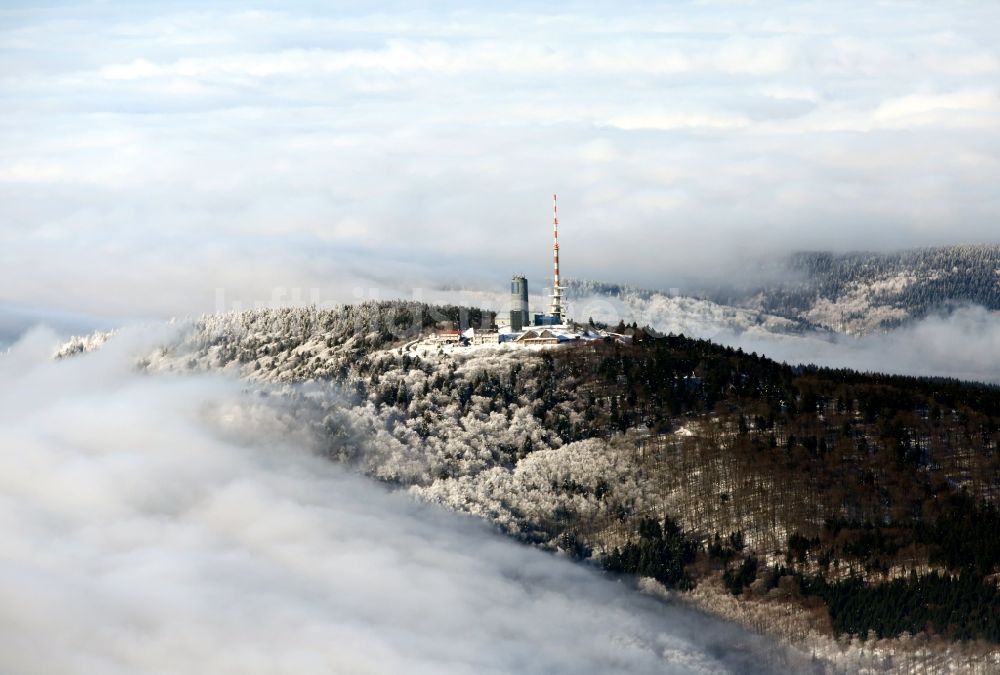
pixel 158 524
pixel 160 159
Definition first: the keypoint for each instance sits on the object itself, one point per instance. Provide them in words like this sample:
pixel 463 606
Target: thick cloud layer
pixel 152 153
pixel 964 344
pixel 157 525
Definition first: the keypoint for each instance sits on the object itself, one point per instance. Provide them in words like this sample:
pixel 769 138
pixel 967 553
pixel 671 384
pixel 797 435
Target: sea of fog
pixel 178 524
pixel 961 342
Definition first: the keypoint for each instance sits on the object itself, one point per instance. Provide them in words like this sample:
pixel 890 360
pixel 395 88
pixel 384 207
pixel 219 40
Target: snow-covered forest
pixel 861 293
pixel 793 490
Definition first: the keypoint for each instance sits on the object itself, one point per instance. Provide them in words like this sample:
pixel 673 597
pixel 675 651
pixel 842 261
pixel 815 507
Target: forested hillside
pixel 834 481
pixel 860 293
pixel 870 499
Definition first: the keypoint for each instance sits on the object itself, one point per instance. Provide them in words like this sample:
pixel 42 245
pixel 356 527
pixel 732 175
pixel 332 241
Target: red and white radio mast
pixel 557 309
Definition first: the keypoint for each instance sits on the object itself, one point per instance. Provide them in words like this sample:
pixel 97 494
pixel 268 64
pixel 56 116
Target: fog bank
pixel 964 344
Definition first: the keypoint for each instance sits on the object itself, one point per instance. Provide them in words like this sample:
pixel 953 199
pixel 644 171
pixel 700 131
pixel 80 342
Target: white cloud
pixel 635 121
pixel 33 172
pixel 397 57
pixel 960 108
pixel 133 142
pixel 791 93
pixel 964 344
pixel 134 70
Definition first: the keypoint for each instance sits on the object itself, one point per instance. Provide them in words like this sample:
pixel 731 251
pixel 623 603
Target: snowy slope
pixel 414 419
pixel 866 293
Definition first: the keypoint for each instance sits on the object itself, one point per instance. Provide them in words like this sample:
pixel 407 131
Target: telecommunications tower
pixel 558 309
